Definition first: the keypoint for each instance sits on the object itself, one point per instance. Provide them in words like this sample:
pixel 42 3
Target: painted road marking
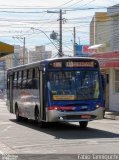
pixel 5 150
pixel 6 129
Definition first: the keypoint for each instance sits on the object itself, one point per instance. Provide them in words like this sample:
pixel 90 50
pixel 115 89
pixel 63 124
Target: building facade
pixel 113 12
pixel 39 54
pixel 18 58
pixel 101 32
pixel 109 56
pixel 109 63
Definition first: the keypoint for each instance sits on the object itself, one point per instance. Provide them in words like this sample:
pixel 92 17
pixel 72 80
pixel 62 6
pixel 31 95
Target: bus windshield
pixel 73 85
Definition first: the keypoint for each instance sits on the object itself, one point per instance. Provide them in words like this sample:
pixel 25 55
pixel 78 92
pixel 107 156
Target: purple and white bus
pixel 56 90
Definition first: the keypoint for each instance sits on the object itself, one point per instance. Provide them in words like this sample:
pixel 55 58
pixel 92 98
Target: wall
pixel 101 31
pixel 113 12
pixel 113 97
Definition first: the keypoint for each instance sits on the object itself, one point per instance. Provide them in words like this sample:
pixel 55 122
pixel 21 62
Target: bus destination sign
pixel 57 65
pixel 72 64
pixel 77 64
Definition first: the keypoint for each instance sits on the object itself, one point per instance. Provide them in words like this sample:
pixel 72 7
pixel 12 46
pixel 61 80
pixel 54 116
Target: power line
pixel 35 12
pixel 87 3
pixel 75 3
pixel 65 3
pixel 72 8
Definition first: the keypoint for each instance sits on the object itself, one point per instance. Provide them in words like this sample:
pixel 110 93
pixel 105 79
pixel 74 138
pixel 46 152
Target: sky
pixel 17 17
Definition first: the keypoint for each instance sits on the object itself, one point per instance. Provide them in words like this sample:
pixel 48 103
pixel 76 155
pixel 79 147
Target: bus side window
pixel 29 81
pixel 8 82
pixel 8 86
pixel 19 79
pixel 32 82
pixel 15 80
pixel 24 80
pixel 35 78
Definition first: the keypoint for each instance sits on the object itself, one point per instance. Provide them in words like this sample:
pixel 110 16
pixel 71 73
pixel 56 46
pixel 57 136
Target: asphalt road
pixel 25 140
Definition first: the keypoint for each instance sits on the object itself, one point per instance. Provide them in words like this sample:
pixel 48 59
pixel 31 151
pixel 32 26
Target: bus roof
pixel 46 61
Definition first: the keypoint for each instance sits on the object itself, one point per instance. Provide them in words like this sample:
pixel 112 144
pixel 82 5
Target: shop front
pixel 109 64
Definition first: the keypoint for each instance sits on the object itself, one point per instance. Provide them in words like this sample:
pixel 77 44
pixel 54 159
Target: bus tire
pixel 36 114
pixel 18 118
pixel 104 114
pixel 83 124
pixel 40 123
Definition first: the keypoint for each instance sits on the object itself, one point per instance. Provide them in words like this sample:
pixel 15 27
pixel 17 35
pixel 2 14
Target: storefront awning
pixel 95 46
pixel 108 60
pixel 6 49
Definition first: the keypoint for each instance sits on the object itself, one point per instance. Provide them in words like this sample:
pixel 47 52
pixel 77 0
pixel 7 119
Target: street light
pixel 32 28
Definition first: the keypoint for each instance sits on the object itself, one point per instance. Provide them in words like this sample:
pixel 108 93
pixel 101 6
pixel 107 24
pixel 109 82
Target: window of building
pixel 117 81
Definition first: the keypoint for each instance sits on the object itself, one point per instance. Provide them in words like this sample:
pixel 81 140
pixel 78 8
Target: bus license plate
pixel 85 116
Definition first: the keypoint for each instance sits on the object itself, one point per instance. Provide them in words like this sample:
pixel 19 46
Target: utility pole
pixel 60 35
pixel 24 42
pixel 60 30
pixel 74 44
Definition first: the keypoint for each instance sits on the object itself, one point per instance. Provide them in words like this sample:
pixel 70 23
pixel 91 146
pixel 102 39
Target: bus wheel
pixel 40 123
pixel 18 118
pixel 83 124
pixel 104 114
pixel 36 115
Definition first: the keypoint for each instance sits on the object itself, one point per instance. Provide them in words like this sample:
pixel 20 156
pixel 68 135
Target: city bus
pixel 56 90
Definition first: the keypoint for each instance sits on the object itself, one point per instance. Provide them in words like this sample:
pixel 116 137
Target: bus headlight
pixel 97 106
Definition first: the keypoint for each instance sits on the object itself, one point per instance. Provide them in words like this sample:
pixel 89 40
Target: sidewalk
pixel 112 115
pixel 2 102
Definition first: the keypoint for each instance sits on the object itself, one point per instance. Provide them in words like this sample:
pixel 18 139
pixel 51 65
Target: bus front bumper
pixel 74 116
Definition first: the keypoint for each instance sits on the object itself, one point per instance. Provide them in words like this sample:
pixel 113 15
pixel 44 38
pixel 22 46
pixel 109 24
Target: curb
pixel 112 115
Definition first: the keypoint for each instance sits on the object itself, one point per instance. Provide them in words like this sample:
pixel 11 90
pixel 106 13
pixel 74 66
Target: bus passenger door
pixel 11 93
pixel 42 94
